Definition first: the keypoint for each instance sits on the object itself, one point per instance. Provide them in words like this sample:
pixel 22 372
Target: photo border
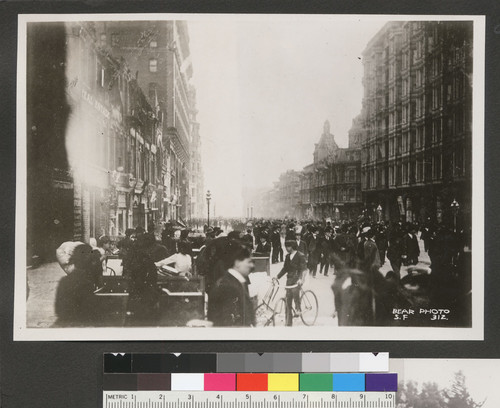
pixel 319 333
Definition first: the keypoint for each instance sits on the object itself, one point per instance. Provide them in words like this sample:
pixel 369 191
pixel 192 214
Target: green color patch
pixel 316 382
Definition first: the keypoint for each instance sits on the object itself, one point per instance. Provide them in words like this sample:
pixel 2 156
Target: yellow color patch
pixel 283 382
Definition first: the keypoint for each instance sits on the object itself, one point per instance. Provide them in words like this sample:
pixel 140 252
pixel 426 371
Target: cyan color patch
pixel 349 382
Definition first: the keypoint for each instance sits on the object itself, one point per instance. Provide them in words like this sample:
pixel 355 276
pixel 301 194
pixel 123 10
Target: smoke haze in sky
pixel 265 88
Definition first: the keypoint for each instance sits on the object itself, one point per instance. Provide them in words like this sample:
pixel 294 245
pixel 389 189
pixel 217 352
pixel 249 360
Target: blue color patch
pixel 349 382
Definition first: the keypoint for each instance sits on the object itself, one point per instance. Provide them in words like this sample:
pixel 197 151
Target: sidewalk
pixel 42 282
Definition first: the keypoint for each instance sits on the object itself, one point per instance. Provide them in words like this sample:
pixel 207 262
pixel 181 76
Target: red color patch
pixel 251 382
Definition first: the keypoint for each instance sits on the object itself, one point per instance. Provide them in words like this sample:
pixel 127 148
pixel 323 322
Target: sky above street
pixel 265 86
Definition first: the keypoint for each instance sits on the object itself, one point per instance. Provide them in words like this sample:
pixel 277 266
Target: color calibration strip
pixel 332 382
pixel 229 399
pixel 126 363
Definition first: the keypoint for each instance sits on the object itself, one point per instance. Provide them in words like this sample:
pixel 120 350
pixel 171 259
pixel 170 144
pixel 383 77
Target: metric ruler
pixel 242 399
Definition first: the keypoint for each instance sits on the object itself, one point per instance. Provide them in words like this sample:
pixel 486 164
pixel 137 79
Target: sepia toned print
pixel 170 187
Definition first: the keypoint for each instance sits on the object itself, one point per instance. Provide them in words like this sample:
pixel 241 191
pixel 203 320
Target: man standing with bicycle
pixel 295 267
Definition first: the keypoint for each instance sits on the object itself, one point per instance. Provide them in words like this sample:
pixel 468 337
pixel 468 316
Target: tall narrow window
pixel 153 65
pixel 100 75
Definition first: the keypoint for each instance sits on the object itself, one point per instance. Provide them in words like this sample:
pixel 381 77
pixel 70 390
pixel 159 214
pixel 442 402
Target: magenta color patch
pixel 220 382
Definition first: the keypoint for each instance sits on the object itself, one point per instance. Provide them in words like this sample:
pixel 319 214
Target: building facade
pixel 417 117
pixel 268 205
pixel 109 141
pixel 330 187
pixel 288 194
pixel 281 201
pixel 197 186
pixel 158 53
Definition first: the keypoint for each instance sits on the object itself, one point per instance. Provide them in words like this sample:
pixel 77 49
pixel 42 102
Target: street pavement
pixel 42 283
pixel 44 279
pixel 321 286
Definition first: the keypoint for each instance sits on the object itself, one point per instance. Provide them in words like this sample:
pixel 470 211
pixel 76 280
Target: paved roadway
pixel 43 284
pixel 321 286
pixel 40 304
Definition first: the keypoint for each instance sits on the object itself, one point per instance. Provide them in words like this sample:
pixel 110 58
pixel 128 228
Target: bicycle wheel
pixel 111 271
pixel 264 316
pixel 309 306
pixel 280 313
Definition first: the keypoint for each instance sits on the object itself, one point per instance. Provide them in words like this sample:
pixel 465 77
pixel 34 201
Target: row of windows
pixel 414 81
pixel 416 139
pixel 349 176
pixel 417 107
pixel 111 151
pixel 115 40
pixel 350 194
pixel 419 170
pixel 142 163
pixel 456 122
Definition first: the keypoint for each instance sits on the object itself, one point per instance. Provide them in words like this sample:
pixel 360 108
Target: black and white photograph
pixel 250 177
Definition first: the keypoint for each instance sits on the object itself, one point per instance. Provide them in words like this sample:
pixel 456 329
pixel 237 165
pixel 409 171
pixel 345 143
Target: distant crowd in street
pixel 353 251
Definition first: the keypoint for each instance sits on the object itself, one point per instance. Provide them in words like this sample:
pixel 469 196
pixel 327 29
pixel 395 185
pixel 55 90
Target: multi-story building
pixel 331 185
pixel 268 205
pixel 112 138
pixel 197 192
pixel 158 53
pixel 288 194
pixel 281 201
pixel 417 116
pixel 101 170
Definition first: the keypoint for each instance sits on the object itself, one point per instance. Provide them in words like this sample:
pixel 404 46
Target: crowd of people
pixel 353 251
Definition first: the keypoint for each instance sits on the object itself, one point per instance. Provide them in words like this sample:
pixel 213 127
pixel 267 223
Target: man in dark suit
pixel 263 247
pixel 212 261
pixel 248 238
pixel 154 249
pixel 142 305
pixel 370 265
pixel 301 245
pixel 75 302
pixel 411 249
pixel 371 256
pixel 314 252
pixel 187 243
pixel 229 302
pixel 294 268
pixel 276 244
pixel 326 244
pixel 395 249
pixel 344 250
pixel 290 232
pixel 306 233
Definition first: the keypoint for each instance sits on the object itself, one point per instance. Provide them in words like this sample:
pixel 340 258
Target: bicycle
pixel 264 313
pixel 267 315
